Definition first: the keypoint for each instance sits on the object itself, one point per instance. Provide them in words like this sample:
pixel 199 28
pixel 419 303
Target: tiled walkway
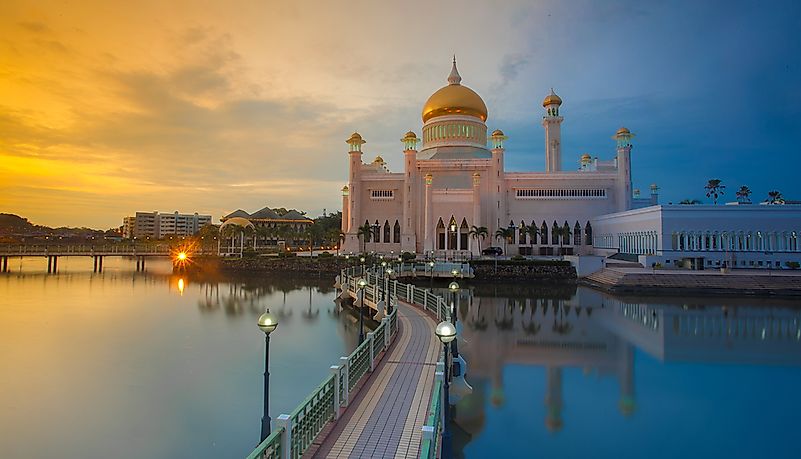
pixel 386 416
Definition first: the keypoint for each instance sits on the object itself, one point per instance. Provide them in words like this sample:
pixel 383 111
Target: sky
pixel 109 107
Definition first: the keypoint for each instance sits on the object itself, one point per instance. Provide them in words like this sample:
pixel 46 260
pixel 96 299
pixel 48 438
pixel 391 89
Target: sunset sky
pixel 109 107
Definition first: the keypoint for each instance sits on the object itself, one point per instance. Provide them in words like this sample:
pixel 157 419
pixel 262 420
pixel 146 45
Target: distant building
pixel 159 225
pixel 271 226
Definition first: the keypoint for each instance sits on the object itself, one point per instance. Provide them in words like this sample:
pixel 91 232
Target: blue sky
pixel 109 108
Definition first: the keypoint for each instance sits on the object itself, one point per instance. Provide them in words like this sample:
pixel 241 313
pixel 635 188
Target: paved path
pixel 386 416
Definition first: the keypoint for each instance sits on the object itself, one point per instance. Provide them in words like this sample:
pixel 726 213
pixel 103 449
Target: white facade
pixel 159 225
pixel 742 236
pixel 456 182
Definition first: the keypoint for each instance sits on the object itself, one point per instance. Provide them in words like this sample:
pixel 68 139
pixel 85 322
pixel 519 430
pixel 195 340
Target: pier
pixel 384 399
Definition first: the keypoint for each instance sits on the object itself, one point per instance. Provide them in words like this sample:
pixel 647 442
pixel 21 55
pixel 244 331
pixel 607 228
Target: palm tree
pixel 505 234
pixel 714 189
pixel 479 233
pixel 690 202
pixel 365 233
pixel 532 231
pixel 564 234
pixel 743 194
pixel 775 197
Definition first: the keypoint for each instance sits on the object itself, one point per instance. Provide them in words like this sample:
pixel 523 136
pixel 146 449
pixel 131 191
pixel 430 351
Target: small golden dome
pixel 454 99
pixel 378 159
pixel 551 99
pixel 355 138
pixel 586 156
pixel 345 188
pixel 497 133
pixel 623 131
pixel 409 136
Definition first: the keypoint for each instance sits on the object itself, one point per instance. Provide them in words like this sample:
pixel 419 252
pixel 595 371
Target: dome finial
pixel 454 77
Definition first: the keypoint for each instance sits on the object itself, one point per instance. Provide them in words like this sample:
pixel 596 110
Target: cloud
pixel 35 27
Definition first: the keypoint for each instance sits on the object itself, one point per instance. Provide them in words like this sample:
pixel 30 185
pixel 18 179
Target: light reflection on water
pixel 576 373
pixel 132 365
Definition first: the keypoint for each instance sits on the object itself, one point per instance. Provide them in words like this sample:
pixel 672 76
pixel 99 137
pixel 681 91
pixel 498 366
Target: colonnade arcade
pixel 736 241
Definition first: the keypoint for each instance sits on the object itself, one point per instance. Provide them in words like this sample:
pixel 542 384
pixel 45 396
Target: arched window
pixel 588 234
pixel 544 234
pixel 577 234
pixel 512 233
pixel 555 233
pixel 464 234
pixel 377 231
pixel 523 232
pixel 533 234
pixel 440 235
pixel 386 231
pixel 396 233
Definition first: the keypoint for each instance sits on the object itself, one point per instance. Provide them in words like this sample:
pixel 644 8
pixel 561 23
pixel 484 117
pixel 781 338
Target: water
pixel 563 373
pixel 154 365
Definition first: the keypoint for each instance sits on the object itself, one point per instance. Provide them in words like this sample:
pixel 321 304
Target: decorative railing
pixel 270 448
pixel 105 249
pixel 296 431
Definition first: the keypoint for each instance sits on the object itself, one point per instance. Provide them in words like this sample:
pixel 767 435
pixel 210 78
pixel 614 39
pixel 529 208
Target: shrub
pixel 249 253
pixel 408 256
pixel 518 258
pixel 793 264
pixel 287 254
pixel 326 255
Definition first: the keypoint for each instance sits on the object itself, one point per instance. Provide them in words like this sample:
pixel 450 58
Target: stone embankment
pixel 670 282
pixel 510 270
pixel 289 266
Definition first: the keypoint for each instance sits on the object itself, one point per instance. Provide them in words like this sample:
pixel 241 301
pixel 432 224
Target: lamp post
pixel 361 259
pixel 386 290
pixel 431 268
pixel 267 324
pixel 456 241
pixel 454 289
pixel 361 283
pixel 446 332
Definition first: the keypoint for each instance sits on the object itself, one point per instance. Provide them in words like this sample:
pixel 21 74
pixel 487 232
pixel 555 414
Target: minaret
pixel 345 209
pixel 623 137
pixel 553 399
pixel 355 143
pixel 428 225
pixel 409 224
pixel 654 194
pixel 497 183
pixel 552 123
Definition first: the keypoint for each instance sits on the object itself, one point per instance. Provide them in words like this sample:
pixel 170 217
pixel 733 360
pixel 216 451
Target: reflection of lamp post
pixel 361 283
pixel 362 260
pixel 454 288
pixel 431 267
pixel 446 332
pixel 267 324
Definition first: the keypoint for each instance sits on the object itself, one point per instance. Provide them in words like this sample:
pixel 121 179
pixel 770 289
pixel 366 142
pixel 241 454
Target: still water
pixel 153 365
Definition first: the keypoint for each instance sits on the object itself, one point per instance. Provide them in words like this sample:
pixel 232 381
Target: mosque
pixel 456 183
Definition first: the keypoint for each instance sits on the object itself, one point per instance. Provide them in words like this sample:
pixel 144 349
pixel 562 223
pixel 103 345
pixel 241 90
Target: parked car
pixel 492 251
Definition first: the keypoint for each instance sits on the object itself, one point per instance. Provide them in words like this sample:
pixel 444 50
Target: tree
pixel 532 231
pixel 479 233
pixel 505 234
pixel 743 194
pixel 714 189
pixel 564 233
pixel 775 197
pixel 690 202
pixel 365 233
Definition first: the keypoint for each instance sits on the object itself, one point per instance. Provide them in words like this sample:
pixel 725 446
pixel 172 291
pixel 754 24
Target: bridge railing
pixel 91 249
pixel 296 431
pixel 432 429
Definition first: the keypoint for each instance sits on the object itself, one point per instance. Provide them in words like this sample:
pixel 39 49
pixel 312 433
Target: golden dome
pixel 355 138
pixel 623 131
pixel 552 98
pixel 586 156
pixel 497 133
pixel 454 99
pixel 378 159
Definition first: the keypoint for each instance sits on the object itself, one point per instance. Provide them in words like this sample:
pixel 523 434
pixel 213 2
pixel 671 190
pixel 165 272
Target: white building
pixel 159 225
pixel 455 184
pixel 742 236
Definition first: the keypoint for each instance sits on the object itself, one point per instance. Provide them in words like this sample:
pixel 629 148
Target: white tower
pixel 354 192
pixel 552 122
pixel 623 137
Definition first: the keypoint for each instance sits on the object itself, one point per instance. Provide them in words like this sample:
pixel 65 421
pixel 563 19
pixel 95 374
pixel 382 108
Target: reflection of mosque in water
pixel 598 333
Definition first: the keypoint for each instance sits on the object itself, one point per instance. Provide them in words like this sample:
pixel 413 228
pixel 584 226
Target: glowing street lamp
pixel 361 283
pixel 454 289
pixel 267 323
pixel 446 332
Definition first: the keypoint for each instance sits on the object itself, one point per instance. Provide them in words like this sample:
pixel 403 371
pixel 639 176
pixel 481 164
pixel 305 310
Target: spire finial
pixel 454 77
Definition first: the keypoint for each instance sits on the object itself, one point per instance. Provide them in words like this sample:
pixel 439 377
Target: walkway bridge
pixel 382 400
pixel 97 252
